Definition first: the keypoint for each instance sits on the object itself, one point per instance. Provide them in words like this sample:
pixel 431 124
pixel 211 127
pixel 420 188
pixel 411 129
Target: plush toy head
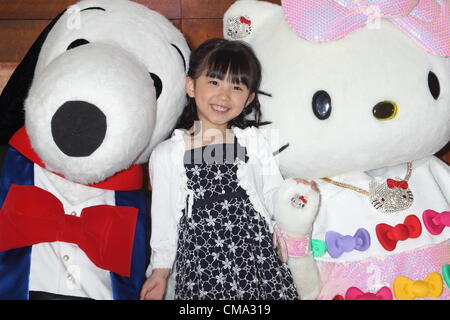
pixel 107 84
pixel 296 208
pixel 345 94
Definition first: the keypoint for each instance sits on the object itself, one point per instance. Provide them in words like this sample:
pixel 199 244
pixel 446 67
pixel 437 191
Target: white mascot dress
pixel 356 95
pixel 100 87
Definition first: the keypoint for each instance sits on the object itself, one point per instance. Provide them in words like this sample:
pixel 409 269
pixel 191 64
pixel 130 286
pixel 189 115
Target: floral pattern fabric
pixel 224 246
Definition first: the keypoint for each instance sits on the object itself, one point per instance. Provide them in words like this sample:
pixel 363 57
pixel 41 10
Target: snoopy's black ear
pixel 16 90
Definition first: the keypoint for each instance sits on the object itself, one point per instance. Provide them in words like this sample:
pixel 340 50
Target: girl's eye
pixel 237 88
pixel 214 82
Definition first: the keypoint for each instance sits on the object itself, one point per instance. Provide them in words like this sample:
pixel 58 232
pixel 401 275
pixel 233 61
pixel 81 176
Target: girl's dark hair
pixel 219 58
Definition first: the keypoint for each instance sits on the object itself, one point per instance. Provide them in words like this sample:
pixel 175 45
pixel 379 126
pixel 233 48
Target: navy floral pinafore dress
pixel 224 246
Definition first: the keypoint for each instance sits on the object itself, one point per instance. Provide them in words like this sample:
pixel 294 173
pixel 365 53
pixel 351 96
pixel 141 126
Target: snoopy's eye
pixel 157 83
pixel 77 43
pixel 321 105
pixel 433 85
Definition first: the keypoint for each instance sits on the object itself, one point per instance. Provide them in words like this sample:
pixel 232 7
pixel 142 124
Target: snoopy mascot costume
pixel 357 93
pixel 100 87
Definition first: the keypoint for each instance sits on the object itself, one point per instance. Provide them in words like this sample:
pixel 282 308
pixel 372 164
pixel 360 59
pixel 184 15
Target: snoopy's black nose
pixel 78 128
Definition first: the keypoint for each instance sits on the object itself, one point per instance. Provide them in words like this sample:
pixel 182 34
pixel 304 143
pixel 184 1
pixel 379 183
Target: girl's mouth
pixel 218 108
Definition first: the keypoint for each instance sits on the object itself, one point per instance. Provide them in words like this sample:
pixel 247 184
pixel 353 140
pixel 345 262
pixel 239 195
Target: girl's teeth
pixel 217 108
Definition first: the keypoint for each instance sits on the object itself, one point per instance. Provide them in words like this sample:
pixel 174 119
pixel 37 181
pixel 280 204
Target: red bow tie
pixel 129 179
pixel 31 215
pixel 389 236
pixel 397 184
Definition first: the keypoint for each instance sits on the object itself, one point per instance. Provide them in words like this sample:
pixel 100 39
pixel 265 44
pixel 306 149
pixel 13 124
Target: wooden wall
pixel 21 21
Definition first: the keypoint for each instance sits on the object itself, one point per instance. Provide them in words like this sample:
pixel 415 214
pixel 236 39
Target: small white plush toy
pixel 295 210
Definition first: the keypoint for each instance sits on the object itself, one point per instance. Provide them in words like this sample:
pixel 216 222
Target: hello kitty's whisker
pixel 281 149
pixel 264 93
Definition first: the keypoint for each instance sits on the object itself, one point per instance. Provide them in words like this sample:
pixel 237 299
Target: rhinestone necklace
pixel 386 197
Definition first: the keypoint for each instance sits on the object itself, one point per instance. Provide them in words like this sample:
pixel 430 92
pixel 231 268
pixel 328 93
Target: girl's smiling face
pixel 218 101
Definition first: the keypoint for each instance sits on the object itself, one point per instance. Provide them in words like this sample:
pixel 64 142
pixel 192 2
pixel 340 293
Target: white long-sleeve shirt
pixel 63 268
pixel 259 177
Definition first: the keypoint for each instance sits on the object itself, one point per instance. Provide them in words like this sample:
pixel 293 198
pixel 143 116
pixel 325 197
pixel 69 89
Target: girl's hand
pixel 155 285
pixel 312 183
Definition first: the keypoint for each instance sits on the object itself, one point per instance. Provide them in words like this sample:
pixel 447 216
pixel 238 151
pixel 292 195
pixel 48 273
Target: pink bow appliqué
pixel 425 21
pixel 435 222
pixel 354 293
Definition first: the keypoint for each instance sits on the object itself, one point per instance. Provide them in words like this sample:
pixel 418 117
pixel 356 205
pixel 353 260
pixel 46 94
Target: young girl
pixel 213 185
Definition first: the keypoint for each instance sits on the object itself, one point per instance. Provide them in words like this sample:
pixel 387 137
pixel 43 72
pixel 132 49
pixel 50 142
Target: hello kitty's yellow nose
pixel 385 110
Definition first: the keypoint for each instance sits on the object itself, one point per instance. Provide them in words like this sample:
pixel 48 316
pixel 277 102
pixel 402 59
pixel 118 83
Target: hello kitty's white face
pixel 369 100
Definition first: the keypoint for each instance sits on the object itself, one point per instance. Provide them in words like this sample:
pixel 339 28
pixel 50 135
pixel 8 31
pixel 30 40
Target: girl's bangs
pixel 223 64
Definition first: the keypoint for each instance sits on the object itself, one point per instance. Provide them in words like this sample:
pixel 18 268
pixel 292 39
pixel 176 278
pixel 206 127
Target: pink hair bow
pixel 425 21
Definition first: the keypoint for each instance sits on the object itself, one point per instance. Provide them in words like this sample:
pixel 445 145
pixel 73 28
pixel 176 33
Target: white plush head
pixel 295 219
pixel 357 72
pixel 108 86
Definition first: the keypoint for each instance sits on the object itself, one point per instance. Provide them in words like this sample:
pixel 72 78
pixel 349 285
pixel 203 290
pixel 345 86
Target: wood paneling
pixel 204 8
pixel 191 9
pixel 176 23
pixel 6 69
pixel 32 9
pixel 197 31
pixel 17 36
pixel 446 157
pixel 48 9
pixel 171 9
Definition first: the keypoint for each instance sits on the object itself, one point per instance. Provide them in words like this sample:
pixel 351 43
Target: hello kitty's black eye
pixel 321 105
pixel 77 43
pixel 433 85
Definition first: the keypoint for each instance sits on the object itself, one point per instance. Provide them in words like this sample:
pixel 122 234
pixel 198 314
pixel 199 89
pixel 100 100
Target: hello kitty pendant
pixel 298 201
pixel 390 196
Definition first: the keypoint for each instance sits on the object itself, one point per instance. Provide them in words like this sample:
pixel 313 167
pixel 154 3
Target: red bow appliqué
pixel 389 236
pixel 31 215
pixel 391 183
pixel 245 21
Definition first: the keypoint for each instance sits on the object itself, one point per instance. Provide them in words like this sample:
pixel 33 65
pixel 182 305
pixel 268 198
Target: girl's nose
pixel 224 93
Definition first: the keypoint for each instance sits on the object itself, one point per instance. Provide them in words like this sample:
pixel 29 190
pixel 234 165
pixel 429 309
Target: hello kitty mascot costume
pixel 358 92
